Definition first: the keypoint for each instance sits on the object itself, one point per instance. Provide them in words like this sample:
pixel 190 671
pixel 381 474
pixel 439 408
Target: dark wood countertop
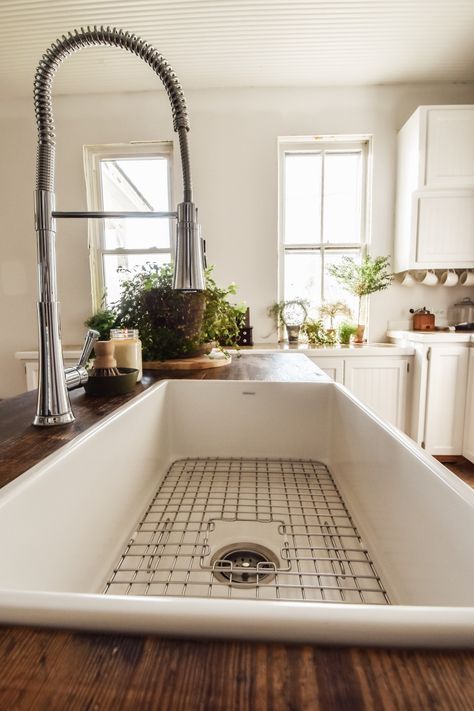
pixel 44 669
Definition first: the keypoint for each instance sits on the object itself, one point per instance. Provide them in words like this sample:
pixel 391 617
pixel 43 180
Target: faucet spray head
pixel 189 260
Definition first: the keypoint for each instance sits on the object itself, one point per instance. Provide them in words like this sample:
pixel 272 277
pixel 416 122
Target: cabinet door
pixel 334 367
pixel 450 147
pixel 444 228
pixel 468 444
pixel 380 383
pixel 445 399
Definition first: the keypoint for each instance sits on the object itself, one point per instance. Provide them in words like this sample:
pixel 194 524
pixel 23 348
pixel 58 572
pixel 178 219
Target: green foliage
pixel 317 334
pixel 330 311
pixel 102 321
pixel 221 321
pixel 366 277
pixel 361 279
pixel 344 332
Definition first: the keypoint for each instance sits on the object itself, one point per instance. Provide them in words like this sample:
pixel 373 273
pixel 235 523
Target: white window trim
pixel 314 144
pixel 93 154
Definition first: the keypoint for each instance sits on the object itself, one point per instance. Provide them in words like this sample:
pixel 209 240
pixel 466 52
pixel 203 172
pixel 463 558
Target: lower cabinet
pixel 468 440
pixel 380 382
pixel 438 397
pixel 445 399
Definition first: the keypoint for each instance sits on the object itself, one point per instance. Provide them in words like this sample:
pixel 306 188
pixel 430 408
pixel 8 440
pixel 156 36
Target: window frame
pixel 93 155
pixel 320 144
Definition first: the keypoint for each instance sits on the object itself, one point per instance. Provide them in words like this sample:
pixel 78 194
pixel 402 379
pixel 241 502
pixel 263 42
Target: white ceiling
pixel 234 43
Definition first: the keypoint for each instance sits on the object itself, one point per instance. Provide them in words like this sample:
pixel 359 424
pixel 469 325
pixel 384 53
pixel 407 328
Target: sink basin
pixel 69 525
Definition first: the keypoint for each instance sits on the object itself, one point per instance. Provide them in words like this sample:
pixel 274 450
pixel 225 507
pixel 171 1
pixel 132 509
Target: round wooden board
pixel 196 363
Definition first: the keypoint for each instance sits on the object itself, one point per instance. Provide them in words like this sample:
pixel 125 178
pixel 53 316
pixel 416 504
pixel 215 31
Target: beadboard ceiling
pixel 244 43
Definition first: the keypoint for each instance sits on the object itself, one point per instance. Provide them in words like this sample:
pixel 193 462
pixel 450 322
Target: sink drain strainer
pixel 244 564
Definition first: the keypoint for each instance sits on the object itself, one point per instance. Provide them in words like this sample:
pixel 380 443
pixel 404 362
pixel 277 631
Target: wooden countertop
pixel 44 669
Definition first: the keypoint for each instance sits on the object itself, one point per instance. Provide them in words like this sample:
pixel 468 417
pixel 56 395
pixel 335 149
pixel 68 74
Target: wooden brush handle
pixel 104 355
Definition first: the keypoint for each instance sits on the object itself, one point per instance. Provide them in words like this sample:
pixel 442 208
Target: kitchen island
pixel 59 669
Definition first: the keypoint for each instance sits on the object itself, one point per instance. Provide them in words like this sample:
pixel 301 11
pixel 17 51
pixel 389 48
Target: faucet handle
pixel 91 337
pixel 77 375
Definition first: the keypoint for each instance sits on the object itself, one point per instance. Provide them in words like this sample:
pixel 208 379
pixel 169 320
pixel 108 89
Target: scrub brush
pixel 104 361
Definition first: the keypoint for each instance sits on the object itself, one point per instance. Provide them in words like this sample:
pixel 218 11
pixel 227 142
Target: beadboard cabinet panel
pixel 380 382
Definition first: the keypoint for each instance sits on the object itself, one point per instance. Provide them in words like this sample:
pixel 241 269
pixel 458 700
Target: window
pixel 127 177
pixel 323 189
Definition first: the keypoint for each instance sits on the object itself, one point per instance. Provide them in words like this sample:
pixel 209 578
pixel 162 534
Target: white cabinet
pixel 445 399
pixel 437 391
pixel 30 362
pixel 435 189
pixel 468 443
pixel 380 382
pixel 334 367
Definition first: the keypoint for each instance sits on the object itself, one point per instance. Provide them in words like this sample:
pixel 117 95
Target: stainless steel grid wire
pixel 322 557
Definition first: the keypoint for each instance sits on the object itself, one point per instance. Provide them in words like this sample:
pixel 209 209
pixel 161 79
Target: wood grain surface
pixel 60 670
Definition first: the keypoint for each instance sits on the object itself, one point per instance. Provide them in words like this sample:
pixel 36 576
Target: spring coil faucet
pixel 53 406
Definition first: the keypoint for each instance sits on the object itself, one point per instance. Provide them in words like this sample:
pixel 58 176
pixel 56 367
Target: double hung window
pixel 127 178
pixel 323 196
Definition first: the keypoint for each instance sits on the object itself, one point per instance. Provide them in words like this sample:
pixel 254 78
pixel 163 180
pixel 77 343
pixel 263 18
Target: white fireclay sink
pixel 68 524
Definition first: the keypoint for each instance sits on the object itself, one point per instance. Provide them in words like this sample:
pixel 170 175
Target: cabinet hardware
pixel 423 445
pixel 428 353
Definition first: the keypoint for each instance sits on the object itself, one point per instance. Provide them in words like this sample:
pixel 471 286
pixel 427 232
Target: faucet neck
pixel 53 406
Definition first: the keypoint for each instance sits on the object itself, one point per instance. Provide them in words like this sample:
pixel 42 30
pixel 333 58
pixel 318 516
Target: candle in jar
pixel 128 349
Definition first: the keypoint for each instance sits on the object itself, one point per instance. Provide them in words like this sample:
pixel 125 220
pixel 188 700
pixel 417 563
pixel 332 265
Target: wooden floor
pixel 460 466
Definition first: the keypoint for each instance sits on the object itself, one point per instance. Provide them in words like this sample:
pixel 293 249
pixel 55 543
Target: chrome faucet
pixel 54 406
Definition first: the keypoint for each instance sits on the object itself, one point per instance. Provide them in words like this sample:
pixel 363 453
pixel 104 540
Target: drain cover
pixel 244 564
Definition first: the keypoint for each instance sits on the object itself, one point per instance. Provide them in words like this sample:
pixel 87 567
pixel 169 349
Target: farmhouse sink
pixel 257 510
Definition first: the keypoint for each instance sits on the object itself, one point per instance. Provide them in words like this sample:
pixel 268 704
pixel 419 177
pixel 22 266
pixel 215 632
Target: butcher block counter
pixel 47 669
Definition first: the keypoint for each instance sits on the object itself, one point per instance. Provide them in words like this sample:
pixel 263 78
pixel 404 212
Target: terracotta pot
pixel 359 335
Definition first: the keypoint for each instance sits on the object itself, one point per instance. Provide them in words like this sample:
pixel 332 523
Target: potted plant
pixel 361 279
pixel 345 330
pixel 291 315
pixel 172 323
pixel 317 334
pixel 331 311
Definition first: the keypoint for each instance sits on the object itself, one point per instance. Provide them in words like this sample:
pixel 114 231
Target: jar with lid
pixel 462 312
pixel 128 349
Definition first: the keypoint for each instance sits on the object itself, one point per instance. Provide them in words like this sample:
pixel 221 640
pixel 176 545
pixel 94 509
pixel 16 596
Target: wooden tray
pixel 197 363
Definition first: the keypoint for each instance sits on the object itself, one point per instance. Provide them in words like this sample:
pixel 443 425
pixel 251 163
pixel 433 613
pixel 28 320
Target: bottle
pixel 128 349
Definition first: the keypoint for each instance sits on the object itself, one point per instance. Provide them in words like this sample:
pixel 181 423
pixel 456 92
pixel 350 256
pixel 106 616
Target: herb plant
pixel 361 279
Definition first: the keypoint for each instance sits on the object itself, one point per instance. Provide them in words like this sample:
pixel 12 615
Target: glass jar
pixel 128 349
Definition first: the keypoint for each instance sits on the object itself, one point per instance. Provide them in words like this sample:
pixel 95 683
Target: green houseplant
pixel 361 279
pixel 176 324
pixel 345 330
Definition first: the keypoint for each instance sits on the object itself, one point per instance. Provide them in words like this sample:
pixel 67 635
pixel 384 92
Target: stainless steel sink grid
pixel 321 556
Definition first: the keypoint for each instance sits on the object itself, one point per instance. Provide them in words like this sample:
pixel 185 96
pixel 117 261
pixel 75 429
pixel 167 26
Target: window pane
pixel 303 276
pixel 136 184
pixel 342 197
pixel 333 291
pixel 112 262
pixel 142 233
pixel 302 198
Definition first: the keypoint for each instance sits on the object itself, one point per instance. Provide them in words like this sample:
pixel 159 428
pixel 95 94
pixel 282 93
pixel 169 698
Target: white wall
pixel 234 158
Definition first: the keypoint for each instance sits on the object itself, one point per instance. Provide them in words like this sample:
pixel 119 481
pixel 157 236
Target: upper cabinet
pixel 435 189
